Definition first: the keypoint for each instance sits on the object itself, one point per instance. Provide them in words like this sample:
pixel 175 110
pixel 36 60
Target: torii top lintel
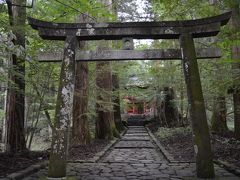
pixel 205 27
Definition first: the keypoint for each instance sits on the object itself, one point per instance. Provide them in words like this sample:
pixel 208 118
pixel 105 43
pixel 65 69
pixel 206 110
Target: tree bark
pixel 202 147
pixel 169 110
pixel 218 120
pixel 105 125
pixel 63 114
pixel 235 51
pixel 236 92
pixel 15 136
pixel 80 131
pixel 116 106
pixel 81 134
pixel 159 108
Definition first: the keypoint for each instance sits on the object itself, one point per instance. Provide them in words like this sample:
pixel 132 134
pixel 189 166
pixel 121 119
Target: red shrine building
pixel 136 106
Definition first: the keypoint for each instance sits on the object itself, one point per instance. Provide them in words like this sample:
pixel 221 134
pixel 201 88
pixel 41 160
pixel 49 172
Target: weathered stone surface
pixel 136 131
pixel 134 144
pixel 134 163
pixel 136 134
pixel 134 155
pixel 111 55
pixel 134 138
pixel 138 30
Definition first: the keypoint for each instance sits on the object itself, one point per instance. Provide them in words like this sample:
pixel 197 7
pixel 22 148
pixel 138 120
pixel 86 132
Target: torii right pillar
pixel 200 130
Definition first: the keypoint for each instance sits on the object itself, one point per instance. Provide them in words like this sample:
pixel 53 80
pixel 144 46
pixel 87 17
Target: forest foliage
pixel 42 79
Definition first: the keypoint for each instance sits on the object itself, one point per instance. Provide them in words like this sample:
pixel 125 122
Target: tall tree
pixel 105 125
pixel 218 120
pixel 116 106
pixel 169 114
pixel 219 115
pixel 15 140
pixel 80 132
pixel 235 52
pixel 116 86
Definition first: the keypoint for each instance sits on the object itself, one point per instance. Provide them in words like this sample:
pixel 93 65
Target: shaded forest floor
pixel 12 163
pixel 85 152
pixel 178 142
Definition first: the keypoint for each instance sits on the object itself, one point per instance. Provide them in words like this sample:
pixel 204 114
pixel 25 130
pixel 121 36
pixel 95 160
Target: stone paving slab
pixel 136 131
pixel 134 163
pixel 135 127
pixel 136 134
pixel 119 170
pixel 134 138
pixel 134 144
pixel 127 171
pixel 134 155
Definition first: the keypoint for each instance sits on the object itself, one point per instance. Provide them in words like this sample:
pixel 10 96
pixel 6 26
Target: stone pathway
pixel 135 156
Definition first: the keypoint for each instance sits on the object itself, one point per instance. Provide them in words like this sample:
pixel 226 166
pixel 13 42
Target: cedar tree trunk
pixel 116 106
pixel 105 125
pixel 235 26
pixel 80 131
pixel 15 140
pixel 218 120
pixel 169 110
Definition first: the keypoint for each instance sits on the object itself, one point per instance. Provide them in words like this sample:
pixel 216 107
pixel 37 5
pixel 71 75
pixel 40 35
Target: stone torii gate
pixel 185 31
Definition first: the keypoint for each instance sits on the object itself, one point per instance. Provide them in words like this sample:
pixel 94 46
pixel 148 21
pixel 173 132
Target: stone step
pixel 138 138
pixel 134 144
pixel 136 131
pixel 136 135
pixel 134 155
pixel 132 127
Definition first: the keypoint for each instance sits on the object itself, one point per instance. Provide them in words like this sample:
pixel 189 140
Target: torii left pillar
pixel 63 114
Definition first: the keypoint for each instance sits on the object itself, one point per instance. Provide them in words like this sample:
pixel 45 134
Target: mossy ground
pixel 168 132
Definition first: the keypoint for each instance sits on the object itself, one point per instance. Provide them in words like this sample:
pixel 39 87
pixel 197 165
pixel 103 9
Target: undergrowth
pixel 163 132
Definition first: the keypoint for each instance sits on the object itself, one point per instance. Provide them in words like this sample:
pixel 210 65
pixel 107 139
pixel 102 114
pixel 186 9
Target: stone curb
pixel 108 147
pixel 162 149
pixel 34 168
pixel 26 172
pixel 166 154
pixel 97 155
pixel 100 154
pixel 229 167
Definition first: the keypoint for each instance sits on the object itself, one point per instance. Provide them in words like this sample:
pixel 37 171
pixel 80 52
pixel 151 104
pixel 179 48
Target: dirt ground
pixel 83 152
pixel 13 163
pixel 178 142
